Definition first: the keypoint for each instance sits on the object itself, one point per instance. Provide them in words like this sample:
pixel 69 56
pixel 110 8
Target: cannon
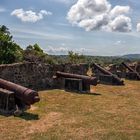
pixel 132 74
pixel 91 80
pixel 107 75
pixel 129 68
pixel 15 99
pixel 26 95
pixel 75 82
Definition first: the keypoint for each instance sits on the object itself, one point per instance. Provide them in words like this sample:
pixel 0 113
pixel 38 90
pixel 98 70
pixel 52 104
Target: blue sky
pixel 91 27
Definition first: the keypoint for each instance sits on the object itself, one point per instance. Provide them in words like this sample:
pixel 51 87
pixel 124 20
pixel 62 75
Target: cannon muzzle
pixel 26 95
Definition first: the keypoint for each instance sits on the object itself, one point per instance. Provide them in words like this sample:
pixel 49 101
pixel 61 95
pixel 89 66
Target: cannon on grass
pixel 131 74
pixel 106 76
pixel 75 82
pixel 20 97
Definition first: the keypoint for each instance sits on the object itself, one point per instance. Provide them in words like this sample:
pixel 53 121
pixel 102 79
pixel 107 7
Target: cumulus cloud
pixel 62 50
pixel 99 15
pixel 121 24
pixel 58 50
pixel 30 16
pixel 96 23
pixel 119 10
pixel 83 50
pixel 87 9
pixel 138 27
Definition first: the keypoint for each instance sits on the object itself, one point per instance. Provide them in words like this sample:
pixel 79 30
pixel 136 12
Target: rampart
pixel 38 75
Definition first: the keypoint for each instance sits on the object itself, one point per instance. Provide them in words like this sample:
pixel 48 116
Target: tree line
pixel 11 52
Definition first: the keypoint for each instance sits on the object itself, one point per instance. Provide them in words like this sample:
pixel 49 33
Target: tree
pixel 75 57
pixel 37 48
pixel 33 53
pixel 10 52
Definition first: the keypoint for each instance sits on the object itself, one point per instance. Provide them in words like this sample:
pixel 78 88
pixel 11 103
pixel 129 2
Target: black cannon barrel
pixel 106 72
pixel 131 70
pixel 26 95
pixel 126 66
pixel 88 79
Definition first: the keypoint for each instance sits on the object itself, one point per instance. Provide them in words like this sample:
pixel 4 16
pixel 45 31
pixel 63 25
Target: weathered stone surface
pixel 7 102
pixel 38 76
pixel 76 68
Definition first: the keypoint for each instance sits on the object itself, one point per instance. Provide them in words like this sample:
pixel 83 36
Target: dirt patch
pixel 42 125
pixel 33 108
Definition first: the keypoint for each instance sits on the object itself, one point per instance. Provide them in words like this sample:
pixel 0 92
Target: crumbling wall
pixel 38 76
pixel 76 68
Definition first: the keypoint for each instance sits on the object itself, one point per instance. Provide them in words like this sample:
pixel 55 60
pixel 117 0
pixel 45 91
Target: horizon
pixel 123 55
pixel 104 28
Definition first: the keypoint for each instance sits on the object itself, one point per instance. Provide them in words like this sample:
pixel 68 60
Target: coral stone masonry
pixel 38 75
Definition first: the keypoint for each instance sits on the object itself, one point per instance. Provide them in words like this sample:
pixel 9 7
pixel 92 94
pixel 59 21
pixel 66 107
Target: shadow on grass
pixel 95 94
pixel 29 116
pixel 86 93
pixel 89 93
pixel 25 115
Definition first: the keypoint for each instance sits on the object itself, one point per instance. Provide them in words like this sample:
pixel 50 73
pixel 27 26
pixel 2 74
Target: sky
pixel 90 27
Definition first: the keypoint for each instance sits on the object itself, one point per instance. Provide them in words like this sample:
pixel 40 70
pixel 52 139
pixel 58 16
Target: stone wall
pixel 38 76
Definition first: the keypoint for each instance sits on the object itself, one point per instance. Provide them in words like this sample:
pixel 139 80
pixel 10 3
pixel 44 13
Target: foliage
pixel 75 57
pixel 10 52
pixel 103 60
pixel 34 54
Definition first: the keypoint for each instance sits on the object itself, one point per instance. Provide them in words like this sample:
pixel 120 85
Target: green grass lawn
pixel 110 113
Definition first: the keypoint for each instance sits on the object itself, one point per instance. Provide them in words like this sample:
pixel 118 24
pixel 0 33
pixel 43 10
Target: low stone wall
pixel 38 76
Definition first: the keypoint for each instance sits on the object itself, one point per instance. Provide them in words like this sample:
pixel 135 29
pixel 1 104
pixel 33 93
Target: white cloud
pixel 121 24
pixel 138 27
pixel 119 10
pixel 87 9
pixel 96 23
pixel 30 16
pixel 58 50
pixel 44 12
pixel 98 15
pixel 83 50
pixel 64 50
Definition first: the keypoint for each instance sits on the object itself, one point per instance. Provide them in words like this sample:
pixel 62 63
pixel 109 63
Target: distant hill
pixel 131 56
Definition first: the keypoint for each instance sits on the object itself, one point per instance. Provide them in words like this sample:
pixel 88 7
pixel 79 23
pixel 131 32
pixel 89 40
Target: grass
pixel 113 113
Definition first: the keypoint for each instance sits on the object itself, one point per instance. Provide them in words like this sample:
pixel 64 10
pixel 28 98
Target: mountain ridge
pixel 132 56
